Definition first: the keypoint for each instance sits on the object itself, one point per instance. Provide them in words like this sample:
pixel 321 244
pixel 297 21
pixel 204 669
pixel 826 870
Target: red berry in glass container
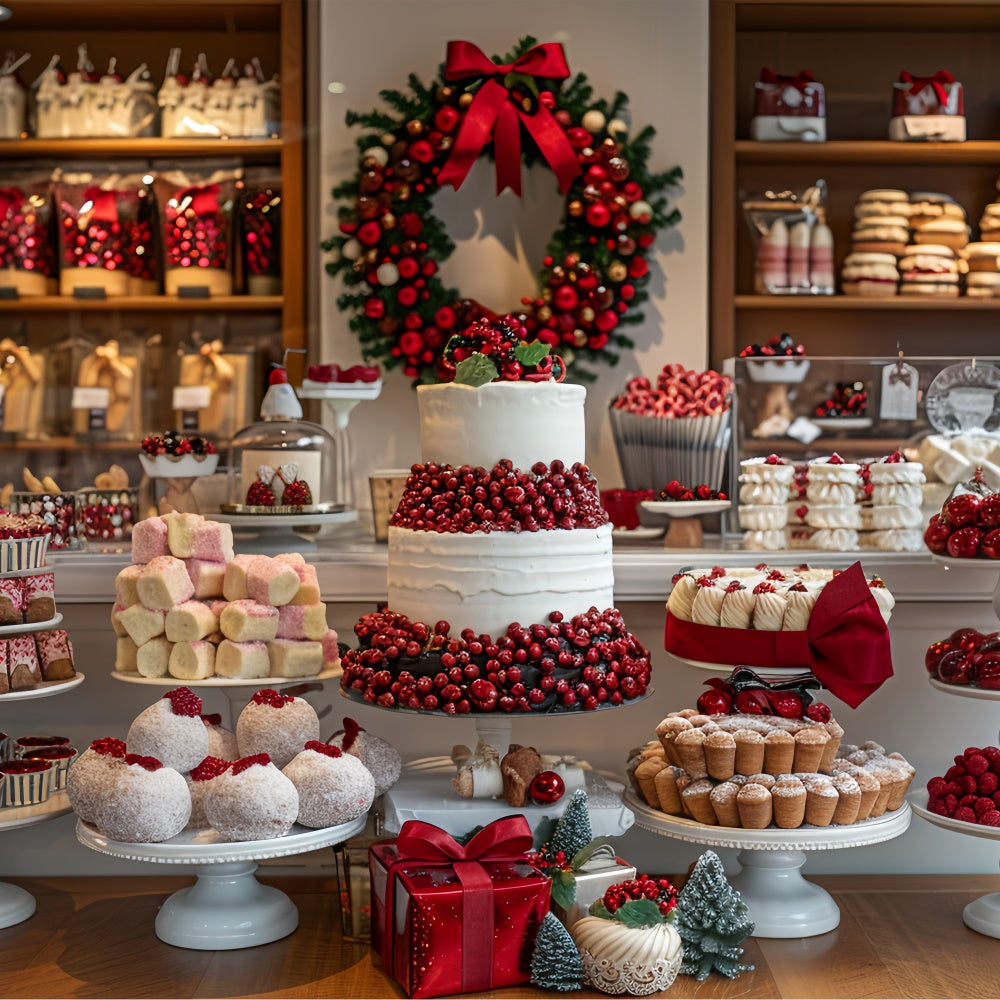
pixel 964 543
pixel 989 510
pixel 955 667
pixel 988 671
pixel 937 533
pixel 962 509
pixel 934 653
pixel 990 546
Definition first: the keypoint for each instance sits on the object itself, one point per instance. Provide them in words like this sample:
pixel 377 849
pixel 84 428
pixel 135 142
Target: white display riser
pixel 906 714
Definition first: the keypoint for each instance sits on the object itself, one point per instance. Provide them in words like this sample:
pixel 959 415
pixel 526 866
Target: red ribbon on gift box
pixel 496 114
pixel 419 843
pixel 937 82
pixel 846 645
pixel 800 81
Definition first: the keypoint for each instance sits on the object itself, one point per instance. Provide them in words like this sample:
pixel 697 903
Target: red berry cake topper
pixel 391 246
pixel 183 701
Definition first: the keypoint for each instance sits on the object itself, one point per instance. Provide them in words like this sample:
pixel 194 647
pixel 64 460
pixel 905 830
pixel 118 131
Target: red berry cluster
pixel 549 862
pixel 327 749
pixel 968 791
pixel 678 491
pixel 966 657
pixel 660 890
pixel 183 701
pixel 268 696
pixel 968 527
pixel 783 346
pixel 244 763
pixel 723 698
pixel 849 399
pixel 145 762
pixel 679 392
pixel 210 767
pixel 109 746
pixel 498 340
pixel 334 373
pixel 470 498
pixel 175 443
pixel 563 666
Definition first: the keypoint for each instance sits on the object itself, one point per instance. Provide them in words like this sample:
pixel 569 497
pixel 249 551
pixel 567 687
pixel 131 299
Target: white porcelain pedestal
pixel 782 903
pixel 16 904
pixel 226 908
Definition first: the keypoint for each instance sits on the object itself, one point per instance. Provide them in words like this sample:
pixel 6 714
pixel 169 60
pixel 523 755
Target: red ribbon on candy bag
pixel 800 81
pixel 104 204
pixel 846 645
pixel 937 82
pixel 419 843
pixel 204 199
pixel 495 115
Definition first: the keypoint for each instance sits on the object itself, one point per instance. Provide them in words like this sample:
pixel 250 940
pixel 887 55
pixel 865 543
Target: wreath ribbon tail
pixel 474 133
pixel 554 146
pixel 507 149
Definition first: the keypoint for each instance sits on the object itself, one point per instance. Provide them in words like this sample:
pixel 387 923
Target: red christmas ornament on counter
pixel 546 787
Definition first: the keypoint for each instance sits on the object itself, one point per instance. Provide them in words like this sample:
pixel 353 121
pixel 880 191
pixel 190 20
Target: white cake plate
pixel 978 563
pixel 982 914
pixel 782 903
pixel 724 669
pixel 272 534
pixel 24 628
pixel 227 907
pixel 685 531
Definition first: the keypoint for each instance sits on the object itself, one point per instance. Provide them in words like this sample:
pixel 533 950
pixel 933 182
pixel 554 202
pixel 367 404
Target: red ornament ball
pixel 546 787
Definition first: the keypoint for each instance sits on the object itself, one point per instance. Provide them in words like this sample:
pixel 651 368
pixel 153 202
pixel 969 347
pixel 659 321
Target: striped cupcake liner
pixel 28 789
pixel 22 553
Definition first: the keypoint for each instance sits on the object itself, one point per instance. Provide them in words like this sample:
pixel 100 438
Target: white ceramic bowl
pixel 174 467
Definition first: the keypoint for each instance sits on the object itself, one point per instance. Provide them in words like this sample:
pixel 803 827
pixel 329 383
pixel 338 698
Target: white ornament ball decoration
pixel 640 208
pixel 387 273
pixel 593 121
pixel 351 250
pixel 616 128
pixel 377 153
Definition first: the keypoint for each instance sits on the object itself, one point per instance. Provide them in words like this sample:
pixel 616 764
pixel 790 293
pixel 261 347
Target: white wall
pixel 656 51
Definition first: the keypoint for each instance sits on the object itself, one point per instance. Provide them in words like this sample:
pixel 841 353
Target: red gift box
pixel 846 646
pixel 448 918
pixel 788 108
pixel 927 108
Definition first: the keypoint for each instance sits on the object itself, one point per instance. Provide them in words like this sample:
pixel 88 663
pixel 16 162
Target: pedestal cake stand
pixel 782 903
pixel 227 907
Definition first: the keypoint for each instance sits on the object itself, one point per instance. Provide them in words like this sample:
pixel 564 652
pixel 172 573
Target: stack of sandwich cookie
pixel 870 275
pixel 938 219
pixel 930 269
pixel 881 221
pixel 983 277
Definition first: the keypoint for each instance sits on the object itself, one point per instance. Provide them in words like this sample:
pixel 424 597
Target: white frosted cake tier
pixel 525 422
pixel 486 581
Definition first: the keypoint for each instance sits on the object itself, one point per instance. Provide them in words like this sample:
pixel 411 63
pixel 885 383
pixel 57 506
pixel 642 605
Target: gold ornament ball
pixel 593 121
pixel 617 271
pixel 579 338
pixel 575 208
pixel 388 221
pixel 544 313
pixel 465 100
pixel 414 127
pixel 587 315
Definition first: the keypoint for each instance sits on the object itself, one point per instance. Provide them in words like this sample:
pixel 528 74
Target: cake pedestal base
pixel 782 903
pixel 226 908
pixel 983 915
pixel 16 904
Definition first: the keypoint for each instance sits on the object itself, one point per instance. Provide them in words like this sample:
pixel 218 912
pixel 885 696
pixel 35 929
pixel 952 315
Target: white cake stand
pixel 685 531
pixel 227 907
pixel 782 903
pixel 272 534
pixel 981 914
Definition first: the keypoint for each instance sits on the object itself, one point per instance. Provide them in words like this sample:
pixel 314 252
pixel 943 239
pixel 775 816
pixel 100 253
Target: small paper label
pixel 87 397
pixel 192 397
pixel 900 390
pixel 803 430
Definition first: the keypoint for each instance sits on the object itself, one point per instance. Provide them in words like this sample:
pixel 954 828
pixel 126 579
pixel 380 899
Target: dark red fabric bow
pixel 419 843
pixel 938 82
pixel 846 645
pixel 800 81
pixel 495 114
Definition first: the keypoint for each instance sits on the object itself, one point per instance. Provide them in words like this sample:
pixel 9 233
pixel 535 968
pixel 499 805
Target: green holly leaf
pixel 638 913
pixel 475 370
pixel 583 855
pixel 598 909
pixel 564 889
pixel 529 353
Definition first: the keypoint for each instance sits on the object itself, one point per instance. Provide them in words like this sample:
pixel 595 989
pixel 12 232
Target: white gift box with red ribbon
pixel 788 108
pixel 927 108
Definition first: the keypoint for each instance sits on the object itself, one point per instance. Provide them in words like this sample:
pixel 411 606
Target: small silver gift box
pixel 602 870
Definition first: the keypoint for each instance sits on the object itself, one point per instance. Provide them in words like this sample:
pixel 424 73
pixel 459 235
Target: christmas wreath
pixel 391 245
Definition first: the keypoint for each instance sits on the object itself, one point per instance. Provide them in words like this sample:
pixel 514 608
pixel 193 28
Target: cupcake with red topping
pixel 380 757
pixel 251 800
pixel 276 724
pixel 93 775
pixel 199 784
pixel 146 803
pixel 333 787
pixel 171 730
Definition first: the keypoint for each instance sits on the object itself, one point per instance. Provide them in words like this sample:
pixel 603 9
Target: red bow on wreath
pixel 938 82
pixel 496 114
pixel 846 644
pixel 800 81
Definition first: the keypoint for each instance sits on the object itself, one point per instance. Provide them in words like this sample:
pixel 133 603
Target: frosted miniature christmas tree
pixel 712 920
pixel 573 831
pixel 555 962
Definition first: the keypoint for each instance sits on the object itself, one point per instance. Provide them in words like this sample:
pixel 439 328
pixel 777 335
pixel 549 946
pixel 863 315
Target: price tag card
pixel 900 390
pixel 803 430
pixel 86 397
pixel 191 397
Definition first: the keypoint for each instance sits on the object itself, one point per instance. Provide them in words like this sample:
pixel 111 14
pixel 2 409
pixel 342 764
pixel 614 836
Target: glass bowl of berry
pixel 178 456
pixel 781 359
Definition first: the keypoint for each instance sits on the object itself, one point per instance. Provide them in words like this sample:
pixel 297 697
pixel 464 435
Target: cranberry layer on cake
pixel 500 580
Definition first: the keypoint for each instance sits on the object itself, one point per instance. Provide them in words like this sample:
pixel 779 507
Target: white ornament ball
pixel 377 153
pixel 351 250
pixel 593 121
pixel 640 208
pixel 387 273
pixel 616 128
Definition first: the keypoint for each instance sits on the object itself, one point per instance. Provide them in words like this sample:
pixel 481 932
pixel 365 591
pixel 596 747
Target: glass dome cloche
pixel 282 464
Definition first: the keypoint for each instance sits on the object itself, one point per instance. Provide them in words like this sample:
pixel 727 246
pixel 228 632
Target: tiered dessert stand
pixel 782 903
pixel 15 903
pixel 227 907
pixel 982 914
pixel 685 531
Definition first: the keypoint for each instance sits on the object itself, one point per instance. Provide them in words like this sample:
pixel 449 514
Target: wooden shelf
pixel 851 303
pixel 864 153
pixel 255 150
pixel 144 303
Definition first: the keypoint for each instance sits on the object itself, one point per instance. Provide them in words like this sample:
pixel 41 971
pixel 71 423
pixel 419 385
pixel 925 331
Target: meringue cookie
pixel 835 539
pixel 799 605
pixel 763 517
pixel 763 493
pixel 737 608
pixel 896 472
pixel 834 517
pixel 682 596
pixel 897 494
pixel 759 470
pixel 775 540
pixel 894 540
pixel 830 494
pixel 885 518
pixel 769 611
pixel 707 604
pixel 822 469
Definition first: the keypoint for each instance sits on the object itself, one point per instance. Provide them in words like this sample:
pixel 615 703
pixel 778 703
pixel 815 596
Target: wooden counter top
pixel 899 936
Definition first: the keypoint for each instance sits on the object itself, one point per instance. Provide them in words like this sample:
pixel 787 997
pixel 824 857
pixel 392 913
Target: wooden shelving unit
pixel 857 49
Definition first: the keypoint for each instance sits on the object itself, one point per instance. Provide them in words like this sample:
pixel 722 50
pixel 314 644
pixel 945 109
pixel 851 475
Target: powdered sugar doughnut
pixel 92 776
pixel 149 803
pixel 171 730
pixel 221 741
pixel 253 800
pixel 276 724
pixel 333 787
pixel 199 781
pixel 382 759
